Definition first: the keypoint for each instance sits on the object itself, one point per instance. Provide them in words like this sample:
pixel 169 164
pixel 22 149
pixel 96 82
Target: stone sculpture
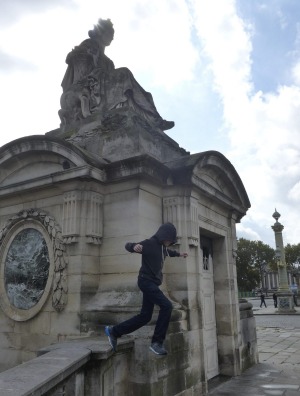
pixel 93 86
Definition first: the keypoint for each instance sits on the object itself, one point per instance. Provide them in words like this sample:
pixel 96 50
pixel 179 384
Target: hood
pixel 166 232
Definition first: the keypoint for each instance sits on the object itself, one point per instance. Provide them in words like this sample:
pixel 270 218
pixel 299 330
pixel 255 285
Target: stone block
pixel 78 264
pixel 40 323
pixel 119 282
pixel 66 324
pixel 30 342
pixel 176 265
pixel 193 378
pixel 175 382
pixel 129 263
pixel 192 339
pixel 182 282
pixel 89 283
pixel 74 302
pixel 180 297
pixel 115 247
pixel 74 283
pixel 195 319
pixel 6 324
pixel 10 357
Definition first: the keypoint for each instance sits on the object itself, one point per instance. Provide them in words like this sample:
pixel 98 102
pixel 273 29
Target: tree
pixel 292 255
pixel 292 258
pixel 253 259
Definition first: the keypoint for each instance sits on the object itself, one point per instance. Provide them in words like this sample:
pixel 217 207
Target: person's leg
pixel 152 295
pixel 163 321
pixel 157 297
pixel 136 322
pixel 130 325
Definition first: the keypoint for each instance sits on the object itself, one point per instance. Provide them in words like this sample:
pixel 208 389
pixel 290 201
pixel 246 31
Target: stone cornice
pixel 142 165
pixel 34 143
pixel 83 172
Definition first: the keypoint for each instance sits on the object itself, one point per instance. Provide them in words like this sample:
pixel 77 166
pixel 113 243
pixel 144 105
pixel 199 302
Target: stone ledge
pixel 98 346
pixel 54 364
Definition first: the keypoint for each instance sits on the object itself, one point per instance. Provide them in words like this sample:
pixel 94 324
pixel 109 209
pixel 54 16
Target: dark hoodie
pixel 154 252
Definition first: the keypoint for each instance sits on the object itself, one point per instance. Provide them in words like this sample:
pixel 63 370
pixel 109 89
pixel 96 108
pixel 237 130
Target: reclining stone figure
pixel 92 84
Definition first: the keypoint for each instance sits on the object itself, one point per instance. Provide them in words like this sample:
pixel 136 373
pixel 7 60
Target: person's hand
pixel 184 255
pixel 138 248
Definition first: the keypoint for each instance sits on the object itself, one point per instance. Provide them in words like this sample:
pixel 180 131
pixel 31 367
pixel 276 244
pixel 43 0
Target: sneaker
pixel 158 349
pixel 111 338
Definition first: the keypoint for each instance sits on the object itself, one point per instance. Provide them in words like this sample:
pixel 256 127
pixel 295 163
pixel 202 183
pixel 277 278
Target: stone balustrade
pixel 80 367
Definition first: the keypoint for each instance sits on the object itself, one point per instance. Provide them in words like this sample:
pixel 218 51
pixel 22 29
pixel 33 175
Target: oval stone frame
pixel 10 310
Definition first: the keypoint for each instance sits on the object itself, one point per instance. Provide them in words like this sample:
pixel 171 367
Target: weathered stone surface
pixel 116 141
pixel 129 198
pixel 106 177
pixel 93 87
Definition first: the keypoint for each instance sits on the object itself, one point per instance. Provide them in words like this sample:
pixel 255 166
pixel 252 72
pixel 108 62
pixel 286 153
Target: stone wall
pixel 87 207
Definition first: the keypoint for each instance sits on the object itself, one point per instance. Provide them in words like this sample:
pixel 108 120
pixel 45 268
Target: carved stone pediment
pixel 213 175
pixel 37 161
pixel 214 180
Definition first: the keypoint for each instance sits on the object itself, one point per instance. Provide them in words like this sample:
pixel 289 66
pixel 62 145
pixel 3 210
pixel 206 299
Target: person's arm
pixel 173 253
pixel 134 247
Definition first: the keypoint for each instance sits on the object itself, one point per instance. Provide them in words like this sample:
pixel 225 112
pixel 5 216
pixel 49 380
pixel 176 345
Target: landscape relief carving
pixel 26 268
pixel 27 259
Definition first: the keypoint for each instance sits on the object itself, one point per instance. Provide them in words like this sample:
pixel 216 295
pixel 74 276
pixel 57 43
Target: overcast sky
pixel 227 72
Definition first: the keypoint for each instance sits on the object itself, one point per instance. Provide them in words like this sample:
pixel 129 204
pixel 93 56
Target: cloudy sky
pixel 226 71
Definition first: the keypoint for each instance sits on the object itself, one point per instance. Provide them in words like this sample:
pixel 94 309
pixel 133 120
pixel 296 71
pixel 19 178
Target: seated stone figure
pixel 92 85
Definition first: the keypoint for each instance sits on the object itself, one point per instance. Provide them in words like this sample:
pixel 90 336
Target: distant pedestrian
pixel 275 299
pixel 295 298
pixel 262 300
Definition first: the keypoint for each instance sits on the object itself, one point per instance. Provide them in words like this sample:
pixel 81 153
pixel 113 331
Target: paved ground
pixel 278 372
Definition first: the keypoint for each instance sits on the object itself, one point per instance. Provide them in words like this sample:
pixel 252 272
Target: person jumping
pixel 154 251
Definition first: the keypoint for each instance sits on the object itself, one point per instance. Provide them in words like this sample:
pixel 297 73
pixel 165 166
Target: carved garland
pixel 60 287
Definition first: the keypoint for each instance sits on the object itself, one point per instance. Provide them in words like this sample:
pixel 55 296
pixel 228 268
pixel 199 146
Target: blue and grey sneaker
pixel 158 349
pixel 111 338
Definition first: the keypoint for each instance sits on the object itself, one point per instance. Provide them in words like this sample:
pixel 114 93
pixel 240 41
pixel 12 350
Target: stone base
pixel 285 303
pixel 248 347
pixel 122 134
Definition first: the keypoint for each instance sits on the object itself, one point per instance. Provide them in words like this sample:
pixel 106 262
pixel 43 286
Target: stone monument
pixel 72 198
pixel 92 86
pixel 284 294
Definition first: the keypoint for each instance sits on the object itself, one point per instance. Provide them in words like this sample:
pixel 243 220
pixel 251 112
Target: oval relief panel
pixel 26 270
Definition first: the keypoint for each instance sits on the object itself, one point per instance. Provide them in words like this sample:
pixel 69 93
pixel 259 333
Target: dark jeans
pixel 152 295
pixel 263 302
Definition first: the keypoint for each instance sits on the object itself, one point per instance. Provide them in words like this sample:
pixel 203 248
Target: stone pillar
pixel 248 347
pixel 284 295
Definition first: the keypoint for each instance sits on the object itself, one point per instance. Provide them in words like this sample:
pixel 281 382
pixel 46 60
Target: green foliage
pixel 253 257
pixel 292 256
